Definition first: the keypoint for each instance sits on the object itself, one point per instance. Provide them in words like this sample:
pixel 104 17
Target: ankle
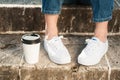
pixel 101 38
pixel 48 37
pixel 50 33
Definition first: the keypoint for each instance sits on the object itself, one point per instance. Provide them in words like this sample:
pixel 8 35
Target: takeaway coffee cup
pixel 31 47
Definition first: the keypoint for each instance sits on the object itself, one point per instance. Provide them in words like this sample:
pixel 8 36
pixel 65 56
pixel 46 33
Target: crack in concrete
pixel 19 71
pixel 8 45
pixel 114 25
pixel 109 67
pixel 118 4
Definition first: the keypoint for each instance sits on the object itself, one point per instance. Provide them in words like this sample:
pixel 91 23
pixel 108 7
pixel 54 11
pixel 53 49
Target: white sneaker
pixel 93 52
pixel 56 50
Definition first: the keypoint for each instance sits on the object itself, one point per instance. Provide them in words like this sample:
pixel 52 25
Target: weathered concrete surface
pixel 10 57
pixel 72 19
pixel 11 50
pixel 20 19
pixel 13 66
pixel 9 73
pixel 114 58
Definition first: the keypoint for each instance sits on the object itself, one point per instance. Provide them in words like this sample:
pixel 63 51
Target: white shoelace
pixel 57 43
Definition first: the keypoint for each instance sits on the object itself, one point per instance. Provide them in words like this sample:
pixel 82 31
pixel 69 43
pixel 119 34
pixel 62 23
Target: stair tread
pixel 12 54
pixel 12 62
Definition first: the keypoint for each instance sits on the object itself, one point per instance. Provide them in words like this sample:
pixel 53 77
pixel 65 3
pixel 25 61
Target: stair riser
pixel 71 20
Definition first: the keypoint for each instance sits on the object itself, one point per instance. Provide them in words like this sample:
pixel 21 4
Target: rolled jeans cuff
pixel 50 12
pixel 102 19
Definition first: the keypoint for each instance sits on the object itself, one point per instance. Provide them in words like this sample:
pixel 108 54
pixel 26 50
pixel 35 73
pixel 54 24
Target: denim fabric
pixel 102 9
pixel 51 6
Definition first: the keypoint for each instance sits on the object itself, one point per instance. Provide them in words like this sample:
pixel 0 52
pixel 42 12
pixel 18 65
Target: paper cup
pixel 31 47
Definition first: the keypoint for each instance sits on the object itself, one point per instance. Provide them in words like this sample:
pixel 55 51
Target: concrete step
pixel 73 19
pixel 13 66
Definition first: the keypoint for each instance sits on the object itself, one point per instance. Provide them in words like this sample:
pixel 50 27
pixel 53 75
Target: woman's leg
pixel 51 9
pixel 56 50
pixel 101 30
pixel 98 45
pixel 102 13
pixel 51 25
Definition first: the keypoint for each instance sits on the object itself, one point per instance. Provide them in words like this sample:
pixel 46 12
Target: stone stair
pixel 13 66
pixel 74 23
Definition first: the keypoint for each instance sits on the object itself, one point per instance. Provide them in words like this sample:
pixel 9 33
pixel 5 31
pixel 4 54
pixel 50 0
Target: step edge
pixel 20 5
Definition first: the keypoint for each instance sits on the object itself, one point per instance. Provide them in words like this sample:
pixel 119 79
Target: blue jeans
pixel 102 9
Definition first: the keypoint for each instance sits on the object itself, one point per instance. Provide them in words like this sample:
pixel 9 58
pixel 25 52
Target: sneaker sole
pixel 57 61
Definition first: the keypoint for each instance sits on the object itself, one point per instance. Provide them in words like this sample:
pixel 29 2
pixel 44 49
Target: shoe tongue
pixel 53 39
